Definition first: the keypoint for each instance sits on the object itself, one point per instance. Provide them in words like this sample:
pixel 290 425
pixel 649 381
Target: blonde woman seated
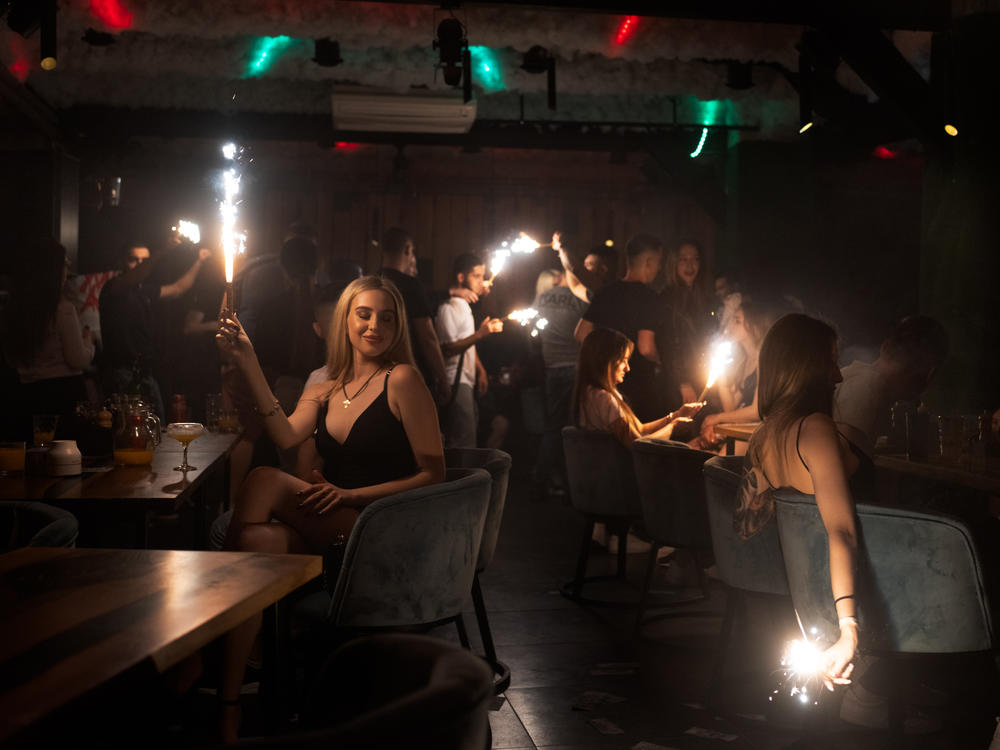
pixel 597 404
pixel 376 430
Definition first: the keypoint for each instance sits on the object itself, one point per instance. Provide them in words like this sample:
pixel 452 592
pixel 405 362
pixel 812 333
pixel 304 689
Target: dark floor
pixel 649 692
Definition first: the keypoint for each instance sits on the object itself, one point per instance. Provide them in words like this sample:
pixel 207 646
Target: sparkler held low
pixel 721 358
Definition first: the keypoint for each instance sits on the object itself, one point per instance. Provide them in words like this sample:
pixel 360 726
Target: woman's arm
pixel 820 447
pixel 77 345
pixel 745 414
pixel 286 432
pixel 412 402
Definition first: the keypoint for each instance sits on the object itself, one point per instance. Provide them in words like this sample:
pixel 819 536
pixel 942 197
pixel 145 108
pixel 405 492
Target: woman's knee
pixel 262 537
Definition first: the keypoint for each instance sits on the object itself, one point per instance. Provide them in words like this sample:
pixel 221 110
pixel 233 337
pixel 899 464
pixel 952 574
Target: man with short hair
pixel 632 307
pixel 456 328
pixel 127 306
pixel 906 363
pixel 399 265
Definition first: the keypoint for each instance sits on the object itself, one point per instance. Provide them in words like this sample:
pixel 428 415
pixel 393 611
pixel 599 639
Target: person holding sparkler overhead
pixel 798 445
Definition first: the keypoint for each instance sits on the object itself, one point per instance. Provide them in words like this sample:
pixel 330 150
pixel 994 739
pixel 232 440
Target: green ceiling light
pixel 486 68
pixel 265 52
pixel 701 144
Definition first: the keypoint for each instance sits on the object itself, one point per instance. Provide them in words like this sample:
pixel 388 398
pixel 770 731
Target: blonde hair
pixel 340 352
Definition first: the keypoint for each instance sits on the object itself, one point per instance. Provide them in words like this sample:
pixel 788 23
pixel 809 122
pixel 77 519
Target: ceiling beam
pixel 916 15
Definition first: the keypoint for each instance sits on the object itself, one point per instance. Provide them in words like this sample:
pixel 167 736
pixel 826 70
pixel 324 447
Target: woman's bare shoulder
pixel 818 432
pixel 405 378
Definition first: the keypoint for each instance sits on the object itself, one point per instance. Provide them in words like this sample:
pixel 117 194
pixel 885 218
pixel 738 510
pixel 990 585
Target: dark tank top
pixel 376 450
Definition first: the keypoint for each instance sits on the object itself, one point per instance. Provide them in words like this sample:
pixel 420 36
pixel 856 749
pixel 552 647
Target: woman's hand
pixel 708 427
pixel 321 496
pixel 232 340
pixel 688 411
pixel 836 665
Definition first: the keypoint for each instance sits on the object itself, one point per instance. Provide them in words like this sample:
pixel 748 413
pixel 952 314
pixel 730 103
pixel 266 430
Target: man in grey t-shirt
pixel 562 307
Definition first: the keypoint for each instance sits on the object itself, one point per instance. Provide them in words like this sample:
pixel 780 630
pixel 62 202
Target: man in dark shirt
pixel 632 307
pixel 127 306
pixel 398 265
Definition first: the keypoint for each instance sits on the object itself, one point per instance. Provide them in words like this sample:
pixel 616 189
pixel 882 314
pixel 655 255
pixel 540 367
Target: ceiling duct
pixel 402 113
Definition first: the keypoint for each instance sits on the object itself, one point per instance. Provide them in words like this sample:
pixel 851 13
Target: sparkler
pixel 526 316
pixel 233 242
pixel 522 245
pixel 189 230
pixel 721 358
pixel 802 662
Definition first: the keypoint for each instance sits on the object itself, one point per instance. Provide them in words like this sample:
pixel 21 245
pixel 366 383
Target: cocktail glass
pixel 184 433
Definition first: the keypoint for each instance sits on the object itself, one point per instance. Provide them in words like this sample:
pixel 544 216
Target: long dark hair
pixel 793 378
pixel 37 288
pixel 600 354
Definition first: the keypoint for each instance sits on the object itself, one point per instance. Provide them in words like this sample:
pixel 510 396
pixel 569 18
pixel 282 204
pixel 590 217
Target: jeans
pixel 460 419
pixel 558 393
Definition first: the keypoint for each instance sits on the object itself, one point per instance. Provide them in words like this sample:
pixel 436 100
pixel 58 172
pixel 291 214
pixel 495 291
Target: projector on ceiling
pixel 402 113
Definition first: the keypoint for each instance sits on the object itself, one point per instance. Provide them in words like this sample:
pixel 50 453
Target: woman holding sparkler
pixel 597 403
pixel 376 429
pixel 798 445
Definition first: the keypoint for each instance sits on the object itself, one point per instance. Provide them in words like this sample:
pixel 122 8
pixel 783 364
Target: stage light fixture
pixel 23 16
pixel 451 45
pixel 327 53
pixel 538 60
pixel 47 46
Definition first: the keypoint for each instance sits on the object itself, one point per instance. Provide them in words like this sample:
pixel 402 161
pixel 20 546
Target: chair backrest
pixel 672 492
pixel 411 557
pixel 920 587
pixel 753 564
pixel 600 473
pixel 401 691
pixel 26 523
pixel 497 463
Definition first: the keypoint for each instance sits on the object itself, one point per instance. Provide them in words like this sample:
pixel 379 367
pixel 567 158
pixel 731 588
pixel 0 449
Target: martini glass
pixel 184 433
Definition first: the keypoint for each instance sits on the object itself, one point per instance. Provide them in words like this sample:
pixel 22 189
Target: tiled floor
pixel 653 687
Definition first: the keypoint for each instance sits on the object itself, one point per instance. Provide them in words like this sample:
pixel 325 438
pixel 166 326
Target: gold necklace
pixel 347 399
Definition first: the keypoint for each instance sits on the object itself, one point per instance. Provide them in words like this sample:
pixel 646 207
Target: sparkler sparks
pixel 522 245
pixel 720 359
pixel 189 230
pixel 233 242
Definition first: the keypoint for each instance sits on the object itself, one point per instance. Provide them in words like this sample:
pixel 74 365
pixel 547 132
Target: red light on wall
pixel 112 12
pixel 346 146
pixel 20 69
pixel 881 152
pixel 627 29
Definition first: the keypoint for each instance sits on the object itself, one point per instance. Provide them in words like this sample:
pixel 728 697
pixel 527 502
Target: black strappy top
pixel 376 449
pixel 755 506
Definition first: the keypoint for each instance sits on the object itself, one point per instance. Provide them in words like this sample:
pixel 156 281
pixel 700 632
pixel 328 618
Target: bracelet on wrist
pixel 275 406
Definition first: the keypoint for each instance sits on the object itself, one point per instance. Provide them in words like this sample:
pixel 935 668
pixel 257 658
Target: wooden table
pixel 984 478
pixel 135 492
pixel 74 619
pixel 735 431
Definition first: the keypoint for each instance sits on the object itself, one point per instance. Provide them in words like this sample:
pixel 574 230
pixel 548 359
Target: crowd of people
pixel 349 387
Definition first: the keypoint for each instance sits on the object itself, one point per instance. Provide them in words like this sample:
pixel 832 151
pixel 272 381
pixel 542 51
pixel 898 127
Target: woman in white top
pixel 597 404
pixel 42 335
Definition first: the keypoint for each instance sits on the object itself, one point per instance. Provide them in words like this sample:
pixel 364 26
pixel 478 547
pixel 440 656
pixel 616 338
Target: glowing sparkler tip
pixel 229 151
pixel 189 230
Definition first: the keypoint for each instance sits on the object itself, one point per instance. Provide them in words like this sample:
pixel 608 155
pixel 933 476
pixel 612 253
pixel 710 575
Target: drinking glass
pixel 44 428
pixel 11 458
pixel 184 433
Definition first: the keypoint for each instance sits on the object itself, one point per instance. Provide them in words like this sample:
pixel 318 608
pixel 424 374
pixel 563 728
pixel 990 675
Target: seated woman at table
pixel 798 445
pixel 376 430
pixel 737 387
pixel 598 405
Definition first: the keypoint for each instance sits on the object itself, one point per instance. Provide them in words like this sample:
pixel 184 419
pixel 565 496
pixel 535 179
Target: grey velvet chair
pixel 409 561
pixel 921 586
pixel 26 523
pixel 672 494
pixel 396 690
pixel 497 463
pixel 602 487
pixel 920 590
pixel 752 566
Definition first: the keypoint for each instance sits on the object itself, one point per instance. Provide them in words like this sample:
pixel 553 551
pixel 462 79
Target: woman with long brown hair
pixel 798 445
pixel 598 405
pixel 376 430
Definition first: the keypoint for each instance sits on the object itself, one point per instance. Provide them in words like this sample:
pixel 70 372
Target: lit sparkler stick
pixel 722 357
pixel 522 245
pixel 803 664
pixel 231 240
pixel 524 316
pixel 188 229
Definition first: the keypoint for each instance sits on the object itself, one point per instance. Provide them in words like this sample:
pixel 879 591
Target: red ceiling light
pixel 881 152
pixel 627 29
pixel 112 12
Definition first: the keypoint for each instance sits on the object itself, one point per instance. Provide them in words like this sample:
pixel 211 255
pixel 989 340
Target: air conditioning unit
pixel 402 113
